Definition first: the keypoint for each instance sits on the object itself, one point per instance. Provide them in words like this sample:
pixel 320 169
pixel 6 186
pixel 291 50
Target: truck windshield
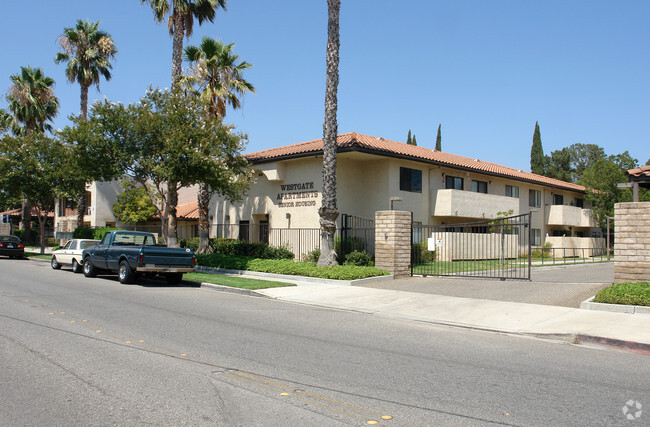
pixel 134 239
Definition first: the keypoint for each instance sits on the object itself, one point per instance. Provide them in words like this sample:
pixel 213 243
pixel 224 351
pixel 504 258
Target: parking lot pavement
pixel 565 286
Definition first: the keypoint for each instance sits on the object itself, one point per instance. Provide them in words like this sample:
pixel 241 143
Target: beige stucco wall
pixel 632 245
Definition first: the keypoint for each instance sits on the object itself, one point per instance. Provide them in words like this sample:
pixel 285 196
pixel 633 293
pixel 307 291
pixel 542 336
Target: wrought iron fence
pixel 498 248
pixel 556 256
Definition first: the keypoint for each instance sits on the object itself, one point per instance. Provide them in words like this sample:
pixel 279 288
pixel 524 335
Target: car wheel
pixel 125 274
pixel 55 264
pixel 89 268
pixel 174 278
pixel 76 267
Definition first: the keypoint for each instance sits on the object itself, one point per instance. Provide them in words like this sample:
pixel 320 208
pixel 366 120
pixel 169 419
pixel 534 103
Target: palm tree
pixel 32 103
pixel 328 211
pixel 31 100
pixel 88 52
pixel 181 23
pixel 218 78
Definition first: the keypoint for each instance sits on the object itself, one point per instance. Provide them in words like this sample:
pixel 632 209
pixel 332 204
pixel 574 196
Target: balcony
pixel 570 216
pixel 468 204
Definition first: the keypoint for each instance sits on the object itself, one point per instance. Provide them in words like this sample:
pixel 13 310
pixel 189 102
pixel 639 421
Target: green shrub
pixel 21 234
pixel 630 293
pixel 83 233
pixel 420 252
pixel 287 266
pixel 545 251
pixel 100 232
pixel 311 256
pixel 191 243
pixel 249 249
pixel 359 258
pixel 347 245
pixel 51 241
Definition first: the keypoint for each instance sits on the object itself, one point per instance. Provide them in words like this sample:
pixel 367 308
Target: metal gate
pixel 498 248
pixel 356 234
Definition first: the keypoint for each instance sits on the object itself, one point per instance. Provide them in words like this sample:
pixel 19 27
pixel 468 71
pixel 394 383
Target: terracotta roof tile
pixel 356 141
pixel 643 171
pixel 188 211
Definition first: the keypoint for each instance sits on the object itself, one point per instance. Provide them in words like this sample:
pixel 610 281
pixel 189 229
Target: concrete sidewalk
pixel 572 325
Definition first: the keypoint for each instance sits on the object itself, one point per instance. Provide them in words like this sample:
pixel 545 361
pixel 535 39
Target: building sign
pixel 297 195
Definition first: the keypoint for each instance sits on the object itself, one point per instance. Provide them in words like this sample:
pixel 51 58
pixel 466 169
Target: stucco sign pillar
pixel 393 242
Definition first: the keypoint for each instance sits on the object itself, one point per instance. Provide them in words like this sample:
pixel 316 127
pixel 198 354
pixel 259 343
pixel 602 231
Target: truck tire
pixel 89 268
pixel 76 267
pixel 54 263
pixel 174 278
pixel 125 273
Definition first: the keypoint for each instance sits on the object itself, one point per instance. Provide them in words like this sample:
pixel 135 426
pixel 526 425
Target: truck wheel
pixel 89 268
pixel 76 267
pixel 174 278
pixel 125 274
pixel 54 263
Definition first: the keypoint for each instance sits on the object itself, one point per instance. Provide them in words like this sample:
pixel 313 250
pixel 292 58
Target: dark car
pixel 12 247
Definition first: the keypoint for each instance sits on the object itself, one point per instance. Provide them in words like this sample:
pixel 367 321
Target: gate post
pixel 393 242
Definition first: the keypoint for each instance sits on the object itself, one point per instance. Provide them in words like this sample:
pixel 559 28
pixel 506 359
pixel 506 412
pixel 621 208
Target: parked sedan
pixel 12 247
pixel 70 254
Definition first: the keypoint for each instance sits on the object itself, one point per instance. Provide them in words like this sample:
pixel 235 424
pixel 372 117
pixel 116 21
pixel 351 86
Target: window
pixel 558 199
pixel 512 191
pixel 537 236
pixel 410 180
pixel 534 198
pixel 73 245
pixel 453 183
pixel 244 228
pixel 479 187
pixel 579 202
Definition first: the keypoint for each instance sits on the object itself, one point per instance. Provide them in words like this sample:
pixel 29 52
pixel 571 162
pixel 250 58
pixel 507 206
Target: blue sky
pixel 485 70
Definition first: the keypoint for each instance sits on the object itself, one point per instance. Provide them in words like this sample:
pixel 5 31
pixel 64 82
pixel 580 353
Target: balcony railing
pixel 468 204
pixel 570 216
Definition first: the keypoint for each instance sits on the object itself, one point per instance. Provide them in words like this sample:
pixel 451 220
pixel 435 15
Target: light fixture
pixel 393 199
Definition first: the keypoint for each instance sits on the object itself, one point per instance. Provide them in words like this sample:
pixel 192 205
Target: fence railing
pixel 550 256
pixel 497 248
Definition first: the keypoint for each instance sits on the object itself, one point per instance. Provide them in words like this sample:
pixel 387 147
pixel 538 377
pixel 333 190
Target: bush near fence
pixel 240 248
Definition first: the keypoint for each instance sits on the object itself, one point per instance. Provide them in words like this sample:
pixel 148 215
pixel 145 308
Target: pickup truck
pixel 131 253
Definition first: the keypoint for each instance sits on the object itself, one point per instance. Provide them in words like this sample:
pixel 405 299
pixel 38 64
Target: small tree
pixel 439 139
pixel 414 141
pixel 32 168
pixel 133 204
pixel 409 139
pixel 537 161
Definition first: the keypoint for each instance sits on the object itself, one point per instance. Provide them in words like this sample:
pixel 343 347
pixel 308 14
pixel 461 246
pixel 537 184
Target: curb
pixel 229 289
pixel 285 277
pixel 588 304
pixel 632 346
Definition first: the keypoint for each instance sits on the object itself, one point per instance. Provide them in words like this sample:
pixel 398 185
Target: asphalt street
pixel 75 350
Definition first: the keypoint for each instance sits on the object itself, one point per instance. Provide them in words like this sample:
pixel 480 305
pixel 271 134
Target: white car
pixel 70 254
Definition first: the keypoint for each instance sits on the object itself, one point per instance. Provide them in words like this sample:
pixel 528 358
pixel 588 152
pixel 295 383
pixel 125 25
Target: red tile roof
pixel 188 211
pixel 364 143
pixel 643 171
pixel 19 212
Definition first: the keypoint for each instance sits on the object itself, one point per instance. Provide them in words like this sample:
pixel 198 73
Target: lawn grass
pixel 38 255
pixel 630 293
pixel 235 282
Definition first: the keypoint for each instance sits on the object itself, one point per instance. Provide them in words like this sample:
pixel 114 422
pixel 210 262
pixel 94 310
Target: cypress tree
pixel 537 153
pixel 408 138
pixel 413 141
pixel 439 139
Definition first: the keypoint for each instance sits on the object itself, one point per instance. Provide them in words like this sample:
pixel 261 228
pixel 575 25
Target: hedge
pixel 287 266
pixel 630 293
pixel 240 248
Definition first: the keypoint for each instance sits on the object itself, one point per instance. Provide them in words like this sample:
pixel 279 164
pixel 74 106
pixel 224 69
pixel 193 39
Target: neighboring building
pixel 100 198
pixel 437 187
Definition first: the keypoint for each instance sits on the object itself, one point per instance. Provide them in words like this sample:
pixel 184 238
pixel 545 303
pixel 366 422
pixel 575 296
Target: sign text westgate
pixel 291 192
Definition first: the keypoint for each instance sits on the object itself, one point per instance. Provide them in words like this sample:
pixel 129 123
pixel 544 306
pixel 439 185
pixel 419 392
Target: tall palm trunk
pixel 81 193
pixel 177 61
pixel 172 238
pixel 204 224
pixel 328 211
pixel 177 46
